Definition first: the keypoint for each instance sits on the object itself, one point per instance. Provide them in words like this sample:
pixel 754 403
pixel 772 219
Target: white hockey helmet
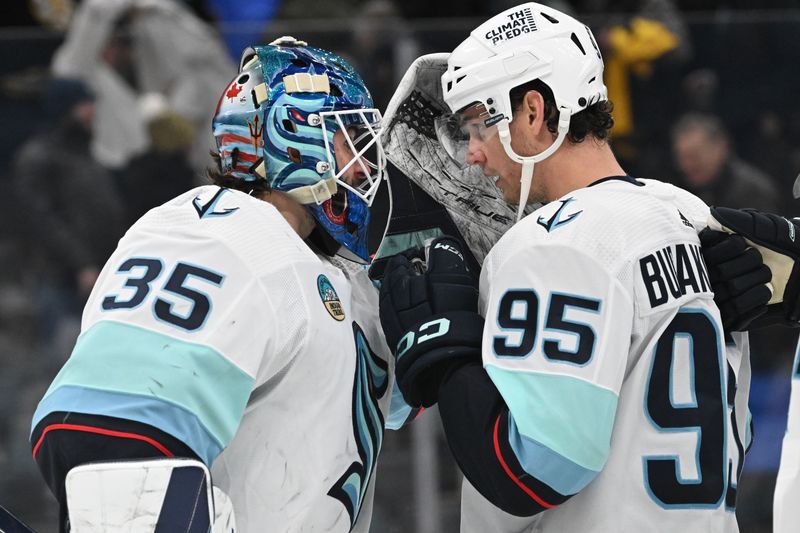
pixel 527 42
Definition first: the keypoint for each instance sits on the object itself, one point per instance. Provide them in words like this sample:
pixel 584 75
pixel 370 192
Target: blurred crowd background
pixel 106 108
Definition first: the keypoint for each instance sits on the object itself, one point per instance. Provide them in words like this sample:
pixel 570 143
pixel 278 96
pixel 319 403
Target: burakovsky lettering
pixel 672 272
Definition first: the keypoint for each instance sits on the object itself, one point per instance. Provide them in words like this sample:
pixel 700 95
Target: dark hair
pixel 710 124
pixel 215 175
pixel 595 120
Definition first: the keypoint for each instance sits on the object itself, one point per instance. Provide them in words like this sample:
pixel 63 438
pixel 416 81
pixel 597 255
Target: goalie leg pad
pixel 151 496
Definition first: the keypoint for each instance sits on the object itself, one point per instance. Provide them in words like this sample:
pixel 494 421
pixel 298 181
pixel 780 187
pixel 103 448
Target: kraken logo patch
pixel 330 298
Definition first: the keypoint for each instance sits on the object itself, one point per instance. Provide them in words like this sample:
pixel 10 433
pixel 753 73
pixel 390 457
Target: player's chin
pixel 509 196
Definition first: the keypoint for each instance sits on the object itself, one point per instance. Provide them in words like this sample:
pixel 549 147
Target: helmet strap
pixel 528 162
pixel 525 185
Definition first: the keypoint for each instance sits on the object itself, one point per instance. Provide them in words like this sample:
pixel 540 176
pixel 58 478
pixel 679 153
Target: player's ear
pixel 532 111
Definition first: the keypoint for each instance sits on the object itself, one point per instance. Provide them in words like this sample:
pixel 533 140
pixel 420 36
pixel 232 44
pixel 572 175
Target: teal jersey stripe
pixel 167 417
pixel 398 409
pixel 122 358
pixel 561 474
pixel 570 416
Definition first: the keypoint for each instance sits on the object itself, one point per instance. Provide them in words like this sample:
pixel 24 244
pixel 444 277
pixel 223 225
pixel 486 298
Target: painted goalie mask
pixel 299 119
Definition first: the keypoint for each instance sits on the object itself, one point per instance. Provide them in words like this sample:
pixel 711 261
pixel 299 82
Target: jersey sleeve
pixel 177 334
pixel 555 346
pixel 400 413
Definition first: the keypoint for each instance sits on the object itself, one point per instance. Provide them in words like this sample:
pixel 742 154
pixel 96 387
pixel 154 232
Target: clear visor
pixel 455 131
pixel 357 157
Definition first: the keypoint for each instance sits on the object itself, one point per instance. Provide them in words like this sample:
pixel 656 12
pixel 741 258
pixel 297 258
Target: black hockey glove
pixel 776 239
pixel 738 278
pixel 430 319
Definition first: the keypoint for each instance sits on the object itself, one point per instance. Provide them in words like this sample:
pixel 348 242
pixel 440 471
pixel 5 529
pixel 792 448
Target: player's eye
pixel 456 128
pixel 476 129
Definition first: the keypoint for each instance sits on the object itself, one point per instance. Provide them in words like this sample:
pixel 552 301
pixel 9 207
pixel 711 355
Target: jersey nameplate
pixel 672 272
pixel 329 297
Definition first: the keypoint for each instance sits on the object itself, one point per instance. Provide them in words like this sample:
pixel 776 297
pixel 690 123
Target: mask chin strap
pixel 528 162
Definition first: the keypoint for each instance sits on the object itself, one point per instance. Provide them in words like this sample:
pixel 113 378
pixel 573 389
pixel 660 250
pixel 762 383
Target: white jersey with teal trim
pixel 786 512
pixel 603 338
pixel 214 322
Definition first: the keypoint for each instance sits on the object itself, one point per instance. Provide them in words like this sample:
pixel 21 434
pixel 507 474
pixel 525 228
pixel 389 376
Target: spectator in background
pixel 655 29
pixel 711 169
pixel 126 48
pixel 164 170
pixel 68 204
pixel 644 44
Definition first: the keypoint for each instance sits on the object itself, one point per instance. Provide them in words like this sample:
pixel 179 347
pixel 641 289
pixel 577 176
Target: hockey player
pixel 224 328
pixel 589 386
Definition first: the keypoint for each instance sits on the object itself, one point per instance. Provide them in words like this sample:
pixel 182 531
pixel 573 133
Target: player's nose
pixel 357 173
pixel 475 155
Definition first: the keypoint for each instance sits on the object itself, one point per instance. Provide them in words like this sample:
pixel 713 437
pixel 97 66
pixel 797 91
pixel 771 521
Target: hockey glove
pixel 776 239
pixel 738 278
pixel 430 319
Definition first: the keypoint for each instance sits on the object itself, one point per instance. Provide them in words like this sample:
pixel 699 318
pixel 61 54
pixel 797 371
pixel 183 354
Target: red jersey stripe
pixel 508 471
pixel 100 431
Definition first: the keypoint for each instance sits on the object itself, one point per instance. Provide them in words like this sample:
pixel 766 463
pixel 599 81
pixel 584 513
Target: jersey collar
pixel 628 179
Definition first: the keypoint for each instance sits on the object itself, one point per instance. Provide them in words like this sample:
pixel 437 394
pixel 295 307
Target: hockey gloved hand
pixel 739 278
pixel 430 319
pixel 776 239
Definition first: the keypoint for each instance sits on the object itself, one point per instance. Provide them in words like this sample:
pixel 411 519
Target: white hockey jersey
pixel 786 511
pixel 214 322
pixel 603 338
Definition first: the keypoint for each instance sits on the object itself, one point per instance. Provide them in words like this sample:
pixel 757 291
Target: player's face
pixel 485 150
pixel 355 174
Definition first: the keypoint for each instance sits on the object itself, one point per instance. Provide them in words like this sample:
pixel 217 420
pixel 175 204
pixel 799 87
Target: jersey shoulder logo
pixel 208 209
pixel 329 297
pixel 684 220
pixel 555 221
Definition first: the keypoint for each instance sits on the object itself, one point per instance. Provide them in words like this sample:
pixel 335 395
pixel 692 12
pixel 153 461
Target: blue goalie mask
pixel 299 119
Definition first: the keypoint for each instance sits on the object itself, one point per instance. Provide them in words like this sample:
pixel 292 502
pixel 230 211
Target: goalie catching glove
pixel 430 319
pixel 776 240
